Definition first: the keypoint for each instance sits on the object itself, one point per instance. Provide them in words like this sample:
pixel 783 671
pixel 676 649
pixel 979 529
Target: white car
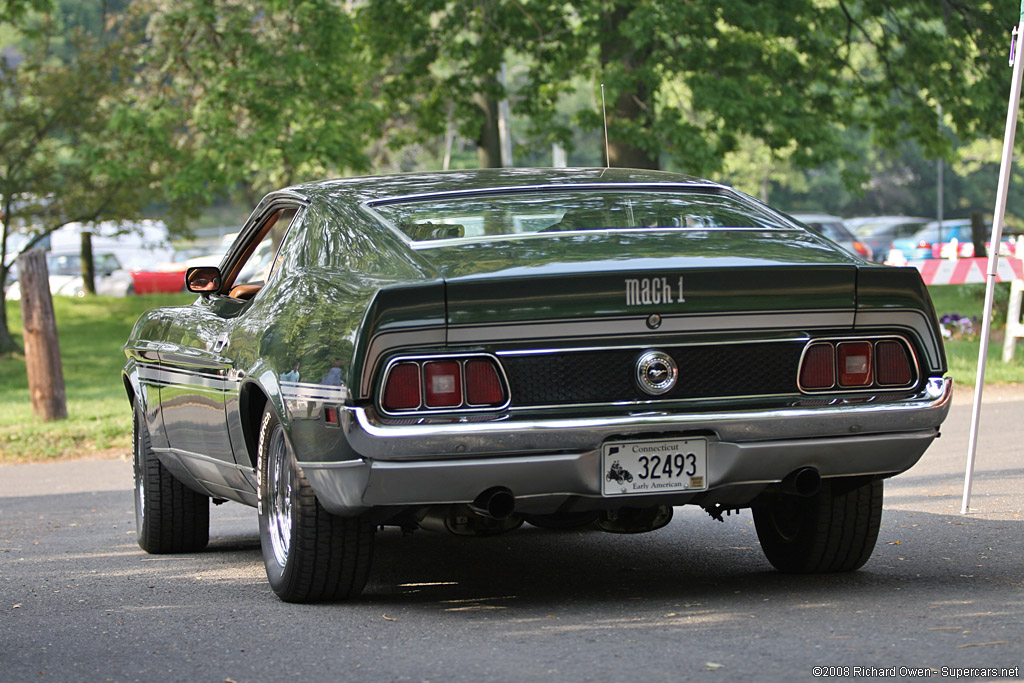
pixel 65 271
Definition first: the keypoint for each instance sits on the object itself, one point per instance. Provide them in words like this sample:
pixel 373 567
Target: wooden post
pixel 88 265
pixel 42 351
pixel 978 235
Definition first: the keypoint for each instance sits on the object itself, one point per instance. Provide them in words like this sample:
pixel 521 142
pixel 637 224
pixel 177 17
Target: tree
pixel 251 94
pixel 441 61
pixel 686 83
pixel 64 155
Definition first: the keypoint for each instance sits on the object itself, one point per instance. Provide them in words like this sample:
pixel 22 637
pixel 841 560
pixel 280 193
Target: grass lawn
pixel 962 354
pixel 93 330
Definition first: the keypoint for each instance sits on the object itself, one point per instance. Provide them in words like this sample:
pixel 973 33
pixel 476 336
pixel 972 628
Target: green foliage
pixel 688 83
pixel 64 157
pixel 92 332
pixel 249 95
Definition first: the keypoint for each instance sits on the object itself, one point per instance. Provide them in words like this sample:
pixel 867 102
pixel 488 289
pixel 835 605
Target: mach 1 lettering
pixel 652 291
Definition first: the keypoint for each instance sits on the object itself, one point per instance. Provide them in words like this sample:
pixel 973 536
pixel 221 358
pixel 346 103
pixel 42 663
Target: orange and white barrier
pixel 966 270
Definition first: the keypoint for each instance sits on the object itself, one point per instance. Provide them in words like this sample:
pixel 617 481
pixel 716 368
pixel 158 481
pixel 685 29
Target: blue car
pixel 928 242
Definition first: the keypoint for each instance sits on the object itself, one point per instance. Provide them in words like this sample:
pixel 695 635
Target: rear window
pixel 461 216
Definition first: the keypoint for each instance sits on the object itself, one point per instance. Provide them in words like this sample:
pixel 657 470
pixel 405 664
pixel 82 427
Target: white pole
pixel 939 203
pixel 1005 166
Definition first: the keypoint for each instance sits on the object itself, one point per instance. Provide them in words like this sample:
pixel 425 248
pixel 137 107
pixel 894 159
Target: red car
pixel 158 282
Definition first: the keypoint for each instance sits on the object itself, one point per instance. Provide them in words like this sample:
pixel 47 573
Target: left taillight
pixel 443 383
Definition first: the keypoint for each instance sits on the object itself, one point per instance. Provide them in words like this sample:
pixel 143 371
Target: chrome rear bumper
pixel 547 460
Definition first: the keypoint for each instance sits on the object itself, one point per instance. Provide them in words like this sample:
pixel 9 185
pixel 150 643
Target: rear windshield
pixel 519 213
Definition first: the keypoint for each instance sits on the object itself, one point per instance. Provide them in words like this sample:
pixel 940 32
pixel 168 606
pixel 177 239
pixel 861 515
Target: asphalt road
pixel 694 601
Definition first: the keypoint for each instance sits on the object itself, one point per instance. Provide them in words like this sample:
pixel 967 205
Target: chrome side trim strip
pixel 194 380
pixel 311 391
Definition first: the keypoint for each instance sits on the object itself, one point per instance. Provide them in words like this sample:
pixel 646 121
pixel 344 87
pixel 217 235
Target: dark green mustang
pixel 469 350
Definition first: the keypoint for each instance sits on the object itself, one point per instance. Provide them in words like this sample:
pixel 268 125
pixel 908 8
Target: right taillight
pixel 856 364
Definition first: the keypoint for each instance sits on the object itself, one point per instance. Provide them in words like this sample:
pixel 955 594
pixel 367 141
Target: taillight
pixel 818 370
pixel 892 363
pixel 433 383
pixel 442 384
pixel 483 386
pixel 863 249
pixel 854 364
pixel 402 391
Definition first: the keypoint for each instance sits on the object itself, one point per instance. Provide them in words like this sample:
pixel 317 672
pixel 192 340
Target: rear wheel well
pixel 251 405
pixel 128 388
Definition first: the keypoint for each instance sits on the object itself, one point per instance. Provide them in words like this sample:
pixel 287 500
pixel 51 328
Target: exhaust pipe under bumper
pixel 805 481
pixel 496 502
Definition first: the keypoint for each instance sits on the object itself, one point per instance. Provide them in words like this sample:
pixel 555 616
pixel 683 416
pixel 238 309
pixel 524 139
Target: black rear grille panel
pixel 607 376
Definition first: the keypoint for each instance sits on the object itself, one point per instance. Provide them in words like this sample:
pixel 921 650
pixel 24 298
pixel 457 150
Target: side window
pixel 263 259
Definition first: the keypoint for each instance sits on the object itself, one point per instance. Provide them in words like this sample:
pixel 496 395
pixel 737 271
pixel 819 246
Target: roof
pixel 383 187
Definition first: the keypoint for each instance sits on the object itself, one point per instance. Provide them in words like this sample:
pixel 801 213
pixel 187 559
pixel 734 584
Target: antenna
pixel 604 113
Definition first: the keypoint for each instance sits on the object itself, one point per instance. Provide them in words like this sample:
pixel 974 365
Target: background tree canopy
pixel 113 107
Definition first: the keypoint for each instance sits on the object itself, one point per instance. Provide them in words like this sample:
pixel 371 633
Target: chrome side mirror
pixel 203 279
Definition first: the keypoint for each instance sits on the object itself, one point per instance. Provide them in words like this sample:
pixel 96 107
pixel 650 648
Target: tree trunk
pixel 7 343
pixel 634 103
pixel 42 351
pixel 88 264
pixel 488 145
pixel 979 235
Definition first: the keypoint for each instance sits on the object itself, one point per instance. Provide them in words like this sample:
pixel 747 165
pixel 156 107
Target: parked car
pixel 158 281
pixel 65 276
pixel 879 232
pixel 469 350
pixel 952 240
pixel 833 228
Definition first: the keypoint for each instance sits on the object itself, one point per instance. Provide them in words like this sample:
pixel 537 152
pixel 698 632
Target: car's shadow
pixel 692 559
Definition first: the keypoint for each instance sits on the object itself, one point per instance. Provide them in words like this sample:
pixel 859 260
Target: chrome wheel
pixel 280 482
pixel 309 554
pixel 140 479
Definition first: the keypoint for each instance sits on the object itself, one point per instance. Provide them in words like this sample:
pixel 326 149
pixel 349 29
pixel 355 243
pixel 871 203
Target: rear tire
pixel 834 530
pixel 169 517
pixel 310 555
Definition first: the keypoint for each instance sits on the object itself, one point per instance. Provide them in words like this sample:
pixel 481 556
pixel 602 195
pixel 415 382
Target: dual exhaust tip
pixel 496 502
pixel 805 481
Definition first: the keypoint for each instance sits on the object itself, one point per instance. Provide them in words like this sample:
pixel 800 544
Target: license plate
pixel 654 466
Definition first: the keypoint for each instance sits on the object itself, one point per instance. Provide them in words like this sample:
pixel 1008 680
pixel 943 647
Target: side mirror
pixel 203 279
